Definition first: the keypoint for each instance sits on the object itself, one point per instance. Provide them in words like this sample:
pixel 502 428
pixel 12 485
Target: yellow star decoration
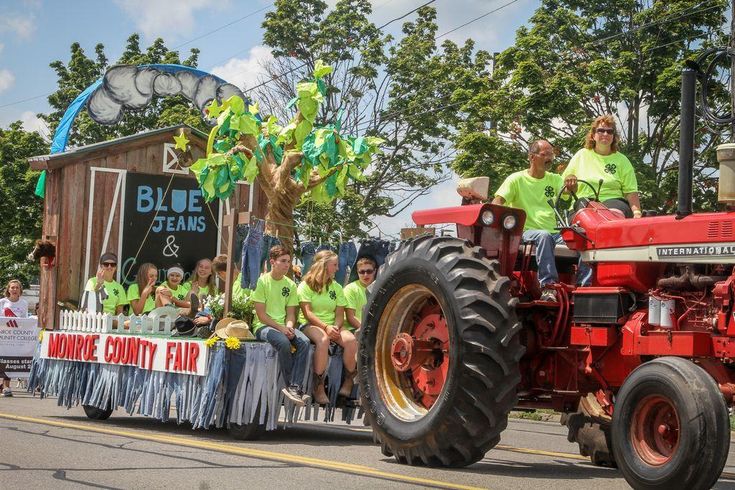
pixel 214 109
pixel 181 142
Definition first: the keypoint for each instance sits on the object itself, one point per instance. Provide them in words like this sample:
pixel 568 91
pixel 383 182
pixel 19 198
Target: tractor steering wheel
pixel 561 216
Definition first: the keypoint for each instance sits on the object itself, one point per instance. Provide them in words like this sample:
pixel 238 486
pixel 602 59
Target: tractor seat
pixel 560 251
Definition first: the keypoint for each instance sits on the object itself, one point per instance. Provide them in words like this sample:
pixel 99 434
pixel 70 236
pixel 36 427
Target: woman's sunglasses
pixel 605 131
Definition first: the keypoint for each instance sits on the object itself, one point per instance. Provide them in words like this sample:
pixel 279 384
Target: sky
pixel 34 33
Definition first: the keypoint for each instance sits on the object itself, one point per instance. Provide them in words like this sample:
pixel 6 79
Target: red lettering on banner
pixel 78 346
pixel 62 346
pixel 53 345
pixel 152 348
pixel 133 351
pixel 90 353
pixel 193 356
pixel 177 359
pixel 169 355
pixel 109 342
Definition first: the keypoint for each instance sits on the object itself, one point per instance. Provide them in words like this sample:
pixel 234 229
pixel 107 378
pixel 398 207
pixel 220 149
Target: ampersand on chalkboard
pixel 170 249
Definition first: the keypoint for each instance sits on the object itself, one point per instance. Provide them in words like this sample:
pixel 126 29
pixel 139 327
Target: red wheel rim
pixel 655 430
pixel 412 352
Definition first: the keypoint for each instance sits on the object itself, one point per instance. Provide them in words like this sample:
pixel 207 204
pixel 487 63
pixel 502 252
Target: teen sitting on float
pixel 322 306
pixel 202 280
pixel 173 293
pixel 142 292
pixel 356 292
pixel 276 302
pixel 110 293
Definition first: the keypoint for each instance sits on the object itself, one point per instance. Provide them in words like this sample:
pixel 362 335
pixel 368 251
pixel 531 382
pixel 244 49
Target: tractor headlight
pixel 509 222
pixel 487 217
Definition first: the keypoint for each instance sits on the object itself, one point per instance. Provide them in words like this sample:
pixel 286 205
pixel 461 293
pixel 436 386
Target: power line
pixel 475 19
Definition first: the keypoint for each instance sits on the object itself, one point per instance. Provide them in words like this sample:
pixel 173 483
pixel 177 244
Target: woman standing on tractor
pixel 600 161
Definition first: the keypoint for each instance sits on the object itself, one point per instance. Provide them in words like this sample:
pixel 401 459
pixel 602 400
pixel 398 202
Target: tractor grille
pixel 717 229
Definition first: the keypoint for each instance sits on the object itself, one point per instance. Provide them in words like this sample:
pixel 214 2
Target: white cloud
pixel 160 18
pixel 7 79
pixel 244 72
pixel 22 25
pixel 31 122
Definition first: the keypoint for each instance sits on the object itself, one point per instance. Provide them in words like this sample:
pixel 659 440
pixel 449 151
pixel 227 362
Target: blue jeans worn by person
pixel 293 366
pixel 347 257
pixel 308 250
pixel 252 252
pixel 545 243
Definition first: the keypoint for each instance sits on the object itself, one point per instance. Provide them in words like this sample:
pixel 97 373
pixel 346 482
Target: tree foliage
pixel 81 71
pixel 408 91
pixel 576 60
pixel 21 211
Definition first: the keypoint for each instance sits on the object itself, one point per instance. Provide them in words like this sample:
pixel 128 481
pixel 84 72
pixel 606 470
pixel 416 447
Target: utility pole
pixel 732 69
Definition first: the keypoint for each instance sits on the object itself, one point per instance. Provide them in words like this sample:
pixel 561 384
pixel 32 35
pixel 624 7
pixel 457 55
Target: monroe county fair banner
pixel 18 341
pixel 155 354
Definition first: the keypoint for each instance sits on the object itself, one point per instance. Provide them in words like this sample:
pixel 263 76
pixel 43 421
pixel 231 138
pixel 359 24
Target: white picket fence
pixel 157 322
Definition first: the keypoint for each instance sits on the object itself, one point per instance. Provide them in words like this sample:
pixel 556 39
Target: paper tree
pixel 293 164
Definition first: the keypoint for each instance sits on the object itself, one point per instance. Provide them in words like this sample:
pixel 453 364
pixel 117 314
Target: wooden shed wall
pixel 66 211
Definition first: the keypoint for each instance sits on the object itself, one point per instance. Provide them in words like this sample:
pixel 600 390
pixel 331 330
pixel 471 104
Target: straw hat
pixel 230 327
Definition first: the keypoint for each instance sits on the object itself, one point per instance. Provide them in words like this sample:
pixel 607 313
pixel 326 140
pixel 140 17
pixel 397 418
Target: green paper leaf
pixel 321 70
pixel 249 125
pixel 237 105
pixel 251 170
pixel 301 132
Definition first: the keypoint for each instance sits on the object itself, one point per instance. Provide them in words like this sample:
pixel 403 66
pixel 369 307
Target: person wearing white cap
pixel 173 292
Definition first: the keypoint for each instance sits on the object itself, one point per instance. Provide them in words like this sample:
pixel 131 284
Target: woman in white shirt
pixel 12 304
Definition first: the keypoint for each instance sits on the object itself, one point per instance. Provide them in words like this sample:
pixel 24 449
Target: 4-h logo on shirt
pixel 332 295
pixel 610 168
pixel 549 191
pixel 115 292
pixel 285 291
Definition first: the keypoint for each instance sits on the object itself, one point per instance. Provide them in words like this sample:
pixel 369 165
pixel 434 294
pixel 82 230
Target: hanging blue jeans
pixel 545 243
pixel 252 250
pixel 347 258
pixel 240 236
pixel 308 250
pixel 268 242
pixel 293 366
pixel 375 249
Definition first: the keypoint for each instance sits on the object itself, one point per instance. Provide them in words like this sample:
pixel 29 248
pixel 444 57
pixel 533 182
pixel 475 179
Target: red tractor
pixel 641 363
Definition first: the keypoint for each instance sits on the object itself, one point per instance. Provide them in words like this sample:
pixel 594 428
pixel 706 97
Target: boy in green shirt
pixel 530 190
pixel 356 292
pixel 109 295
pixel 276 302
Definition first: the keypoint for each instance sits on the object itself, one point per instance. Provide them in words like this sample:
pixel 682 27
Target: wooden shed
pixel 131 196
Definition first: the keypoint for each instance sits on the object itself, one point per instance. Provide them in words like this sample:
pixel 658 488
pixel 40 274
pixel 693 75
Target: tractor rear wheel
pixel 670 426
pixel 439 352
pixel 589 427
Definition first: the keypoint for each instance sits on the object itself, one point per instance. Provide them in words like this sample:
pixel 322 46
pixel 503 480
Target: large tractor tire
pixel 95 413
pixel 439 352
pixel 670 427
pixel 590 428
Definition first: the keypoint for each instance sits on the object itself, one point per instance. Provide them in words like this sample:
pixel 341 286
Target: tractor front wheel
pixel 439 351
pixel 670 426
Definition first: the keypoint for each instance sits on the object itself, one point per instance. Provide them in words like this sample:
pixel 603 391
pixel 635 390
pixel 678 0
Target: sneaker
pixel 549 295
pixel 304 397
pixel 7 392
pixel 292 393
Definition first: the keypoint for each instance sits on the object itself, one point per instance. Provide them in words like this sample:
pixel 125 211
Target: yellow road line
pixel 243 451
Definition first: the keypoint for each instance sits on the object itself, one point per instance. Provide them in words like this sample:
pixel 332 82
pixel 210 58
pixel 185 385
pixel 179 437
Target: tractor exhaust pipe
pixel 686 141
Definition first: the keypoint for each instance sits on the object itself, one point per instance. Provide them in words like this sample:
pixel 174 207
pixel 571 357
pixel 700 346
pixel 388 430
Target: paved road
pixel 45 446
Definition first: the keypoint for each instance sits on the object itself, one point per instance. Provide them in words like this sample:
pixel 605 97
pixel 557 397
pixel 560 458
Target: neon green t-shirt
pixel 530 194
pixel 277 296
pixel 208 291
pixel 356 298
pixel 134 293
pixel 181 293
pixel 615 170
pixel 324 304
pixel 115 294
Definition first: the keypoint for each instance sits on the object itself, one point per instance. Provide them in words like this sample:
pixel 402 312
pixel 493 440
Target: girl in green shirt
pixel 202 279
pixel 173 292
pixel 141 293
pixel 323 313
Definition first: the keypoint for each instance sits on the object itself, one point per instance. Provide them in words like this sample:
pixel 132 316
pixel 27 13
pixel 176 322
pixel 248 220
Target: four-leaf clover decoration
pixel 549 191
pixel 332 295
pixel 285 291
pixel 610 168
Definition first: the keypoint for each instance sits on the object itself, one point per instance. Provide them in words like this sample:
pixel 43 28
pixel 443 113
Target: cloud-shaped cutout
pixel 129 87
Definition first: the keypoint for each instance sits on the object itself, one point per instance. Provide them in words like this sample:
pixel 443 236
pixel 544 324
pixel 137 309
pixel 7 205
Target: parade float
pixel 130 195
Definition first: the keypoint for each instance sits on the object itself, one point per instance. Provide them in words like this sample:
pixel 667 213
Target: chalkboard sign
pixel 165 224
